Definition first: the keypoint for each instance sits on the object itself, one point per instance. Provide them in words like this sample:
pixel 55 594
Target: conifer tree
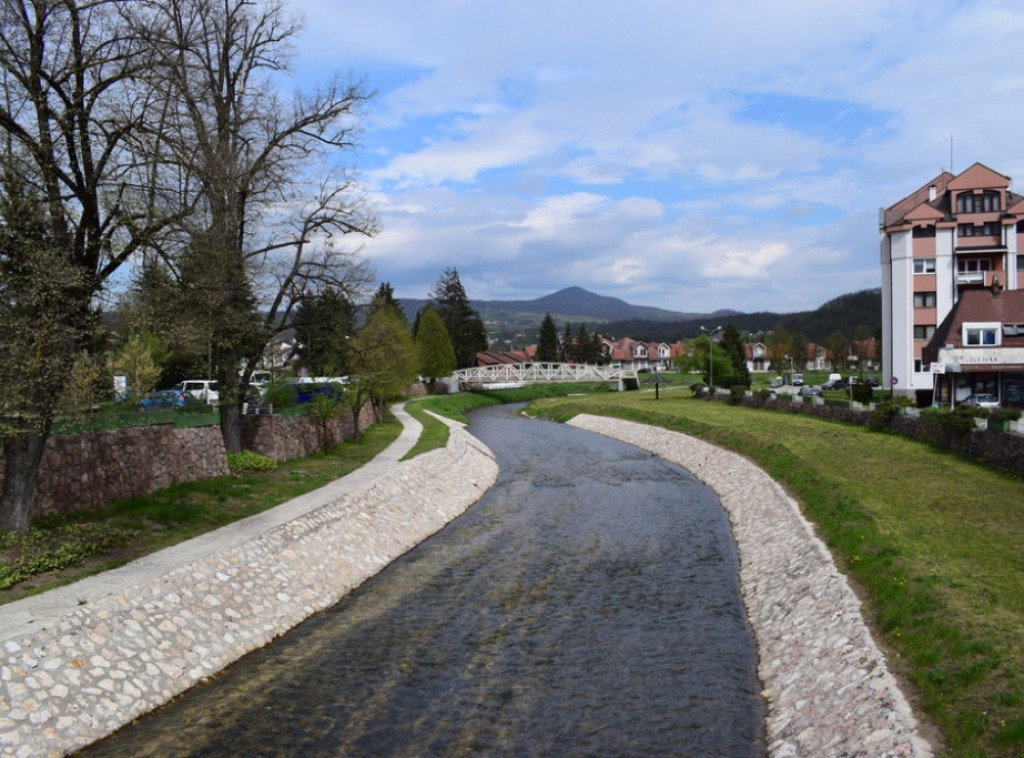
pixel 547 342
pixel 465 327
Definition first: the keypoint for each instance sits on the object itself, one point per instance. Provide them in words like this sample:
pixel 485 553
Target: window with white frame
pixel 924 299
pixel 982 334
pixel 924 265
pixel 967 265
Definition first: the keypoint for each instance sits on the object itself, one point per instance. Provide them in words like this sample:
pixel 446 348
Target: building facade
pixel 955 234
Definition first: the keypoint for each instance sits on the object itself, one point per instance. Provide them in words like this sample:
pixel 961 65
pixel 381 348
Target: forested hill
pixel 844 314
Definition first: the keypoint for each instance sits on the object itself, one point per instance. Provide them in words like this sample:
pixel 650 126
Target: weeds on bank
pixel 65 548
pixel 930 540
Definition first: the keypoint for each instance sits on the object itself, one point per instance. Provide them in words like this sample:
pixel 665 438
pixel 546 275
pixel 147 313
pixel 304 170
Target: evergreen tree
pixel 799 349
pixel 732 345
pixel 385 297
pixel 465 327
pixel 567 351
pixel 547 343
pixel 324 325
pixel 433 346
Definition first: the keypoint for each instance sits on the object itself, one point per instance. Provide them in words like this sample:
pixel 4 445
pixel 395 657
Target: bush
pixel 737 393
pixel 1004 414
pixel 248 462
pixel 886 411
pixel 862 393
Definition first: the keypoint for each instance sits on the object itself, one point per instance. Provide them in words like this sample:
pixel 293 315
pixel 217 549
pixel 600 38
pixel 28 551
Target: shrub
pixel 697 388
pixel 737 393
pixel 1004 414
pixel 862 393
pixel 248 462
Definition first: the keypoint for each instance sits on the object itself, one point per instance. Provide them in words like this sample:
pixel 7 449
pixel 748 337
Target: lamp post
pixel 711 356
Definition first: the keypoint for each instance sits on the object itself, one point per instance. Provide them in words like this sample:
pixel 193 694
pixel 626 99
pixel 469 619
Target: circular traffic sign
pixel 894 380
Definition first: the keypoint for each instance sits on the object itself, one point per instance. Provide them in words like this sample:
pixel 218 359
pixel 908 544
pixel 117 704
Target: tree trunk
pixel 231 425
pixel 22 453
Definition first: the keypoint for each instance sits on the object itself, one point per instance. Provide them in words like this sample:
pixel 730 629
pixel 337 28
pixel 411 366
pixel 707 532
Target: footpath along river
pixel 587 605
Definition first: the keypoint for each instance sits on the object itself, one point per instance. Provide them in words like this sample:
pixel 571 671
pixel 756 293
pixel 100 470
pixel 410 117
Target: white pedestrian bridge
pixel 508 375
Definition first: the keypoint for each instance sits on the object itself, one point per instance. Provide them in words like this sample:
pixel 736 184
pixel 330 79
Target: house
pixel 642 356
pixel 954 235
pixel 979 348
pixel 757 357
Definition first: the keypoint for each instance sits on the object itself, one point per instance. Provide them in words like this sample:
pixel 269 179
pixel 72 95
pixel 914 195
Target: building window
pixel 921 367
pixel 986 202
pixel 989 228
pixel 924 231
pixel 982 335
pixel 924 299
pixel 966 265
pixel 1020 262
pixel 924 331
pixel 924 265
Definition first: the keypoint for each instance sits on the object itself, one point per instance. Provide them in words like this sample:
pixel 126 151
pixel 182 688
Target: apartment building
pixel 956 234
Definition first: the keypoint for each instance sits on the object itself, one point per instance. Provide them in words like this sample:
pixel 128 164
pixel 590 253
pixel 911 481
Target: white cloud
pixel 726 156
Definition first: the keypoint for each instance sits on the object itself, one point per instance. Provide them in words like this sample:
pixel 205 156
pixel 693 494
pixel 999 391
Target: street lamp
pixel 711 356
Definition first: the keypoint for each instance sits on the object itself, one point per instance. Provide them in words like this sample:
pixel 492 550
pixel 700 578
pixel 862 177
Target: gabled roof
pixel 979 305
pixel 979 176
pixel 896 212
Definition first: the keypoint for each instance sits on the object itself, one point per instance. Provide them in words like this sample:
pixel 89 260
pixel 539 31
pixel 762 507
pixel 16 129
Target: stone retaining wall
pixel 99 667
pixel 828 690
pixel 82 471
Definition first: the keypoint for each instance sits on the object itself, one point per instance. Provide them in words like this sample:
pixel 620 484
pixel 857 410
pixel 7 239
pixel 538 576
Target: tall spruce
pixel 732 344
pixel 547 342
pixel 465 327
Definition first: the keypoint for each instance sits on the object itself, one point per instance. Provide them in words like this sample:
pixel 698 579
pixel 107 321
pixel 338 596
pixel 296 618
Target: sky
pixel 692 156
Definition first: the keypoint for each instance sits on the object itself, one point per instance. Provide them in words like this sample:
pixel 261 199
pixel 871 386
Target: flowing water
pixel 588 605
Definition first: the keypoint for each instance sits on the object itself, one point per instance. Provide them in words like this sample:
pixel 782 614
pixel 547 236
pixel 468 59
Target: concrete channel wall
pixel 87 673
pixel 826 683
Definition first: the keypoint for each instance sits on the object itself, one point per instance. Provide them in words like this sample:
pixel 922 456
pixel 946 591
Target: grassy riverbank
pixel 932 542
pixel 62 549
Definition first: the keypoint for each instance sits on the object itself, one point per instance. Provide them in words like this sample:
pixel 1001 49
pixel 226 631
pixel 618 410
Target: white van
pixel 206 390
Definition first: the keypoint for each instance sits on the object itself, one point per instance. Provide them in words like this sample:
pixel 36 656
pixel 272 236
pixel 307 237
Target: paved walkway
pixel 24 616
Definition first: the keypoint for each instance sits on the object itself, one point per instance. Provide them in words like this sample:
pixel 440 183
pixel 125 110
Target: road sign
pixel 894 381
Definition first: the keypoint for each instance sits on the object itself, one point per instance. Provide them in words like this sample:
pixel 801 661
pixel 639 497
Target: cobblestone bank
pixel 827 687
pixel 100 666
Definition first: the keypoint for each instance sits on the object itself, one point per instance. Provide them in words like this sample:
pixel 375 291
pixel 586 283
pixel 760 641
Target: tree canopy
pixel 465 327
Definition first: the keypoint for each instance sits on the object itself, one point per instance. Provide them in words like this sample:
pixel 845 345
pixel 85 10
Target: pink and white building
pixel 955 234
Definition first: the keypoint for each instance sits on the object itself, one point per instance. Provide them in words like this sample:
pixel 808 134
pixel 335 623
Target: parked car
pixel 871 381
pixel 835 382
pixel 982 400
pixel 206 390
pixel 798 380
pixel 164 399
pixel 809 391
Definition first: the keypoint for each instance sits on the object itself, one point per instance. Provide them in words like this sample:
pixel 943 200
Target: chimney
pixel 996 286
pixel 933 192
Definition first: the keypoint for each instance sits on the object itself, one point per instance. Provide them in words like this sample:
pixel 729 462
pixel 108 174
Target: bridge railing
pixel 540 373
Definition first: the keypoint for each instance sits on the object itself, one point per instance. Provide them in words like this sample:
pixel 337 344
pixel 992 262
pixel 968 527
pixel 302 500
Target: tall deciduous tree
pixel 779 343
pixel 242 155
pixel 433 346
pixel 386 362
pixel 70 104
pixel 837 345
pixel 465 327
pixel 547 341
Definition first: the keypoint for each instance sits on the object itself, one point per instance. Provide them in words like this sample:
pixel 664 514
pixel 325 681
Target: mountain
pixel 573 304
pixel 515 323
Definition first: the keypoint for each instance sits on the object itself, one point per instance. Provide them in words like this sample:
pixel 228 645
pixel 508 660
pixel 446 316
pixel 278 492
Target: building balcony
pixel 971 278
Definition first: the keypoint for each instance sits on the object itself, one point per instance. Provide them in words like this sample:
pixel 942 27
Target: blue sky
pixel 686 155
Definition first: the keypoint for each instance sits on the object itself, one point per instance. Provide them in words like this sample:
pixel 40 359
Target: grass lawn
pixel 934 545
pixel 61 550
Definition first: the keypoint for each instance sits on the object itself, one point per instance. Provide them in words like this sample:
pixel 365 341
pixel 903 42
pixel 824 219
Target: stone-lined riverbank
pixel 828 689
pixel 85 674
pixel 82 675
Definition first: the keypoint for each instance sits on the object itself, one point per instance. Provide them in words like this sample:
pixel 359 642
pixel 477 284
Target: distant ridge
pixel 569 304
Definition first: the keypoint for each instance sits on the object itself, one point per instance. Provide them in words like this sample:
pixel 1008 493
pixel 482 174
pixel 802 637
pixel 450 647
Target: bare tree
pixel 261 237
pixel 76 205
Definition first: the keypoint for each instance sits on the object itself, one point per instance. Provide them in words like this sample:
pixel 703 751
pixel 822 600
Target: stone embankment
pixel 828 690
pixel 94 669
